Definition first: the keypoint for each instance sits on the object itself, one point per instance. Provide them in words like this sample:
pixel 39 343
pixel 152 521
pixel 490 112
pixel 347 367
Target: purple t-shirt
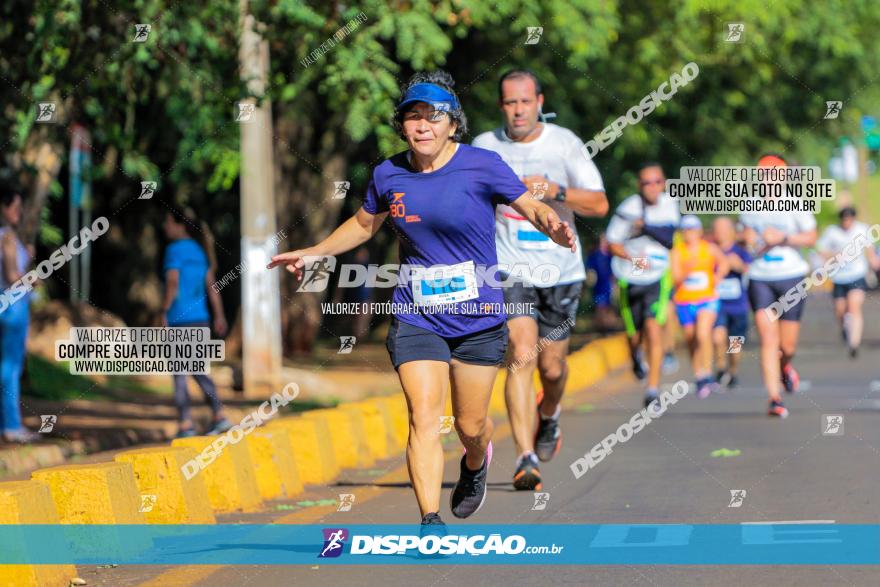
pixel 446 218
pixel 730 289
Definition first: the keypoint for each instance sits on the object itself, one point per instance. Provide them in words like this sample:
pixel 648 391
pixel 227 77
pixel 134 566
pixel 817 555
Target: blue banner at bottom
pixel 282 544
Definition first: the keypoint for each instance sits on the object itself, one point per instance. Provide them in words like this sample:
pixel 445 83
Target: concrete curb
pixel 30 502
pixel 157 472
pixel 230 478
pixel 274 464
pixel 274 461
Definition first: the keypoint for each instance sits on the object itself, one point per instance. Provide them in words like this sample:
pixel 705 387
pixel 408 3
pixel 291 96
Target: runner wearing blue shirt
pixel 733 316
pixel 449 326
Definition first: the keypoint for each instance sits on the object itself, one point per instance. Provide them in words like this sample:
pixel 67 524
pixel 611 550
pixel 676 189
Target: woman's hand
pixel 293 261
pixel 560 232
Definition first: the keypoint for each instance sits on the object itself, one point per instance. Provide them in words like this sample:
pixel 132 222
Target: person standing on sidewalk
pixel 549 161
pixel 14 319
pixel 189 274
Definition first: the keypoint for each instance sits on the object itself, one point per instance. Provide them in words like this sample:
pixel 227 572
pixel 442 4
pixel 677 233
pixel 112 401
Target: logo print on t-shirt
pixel 398 209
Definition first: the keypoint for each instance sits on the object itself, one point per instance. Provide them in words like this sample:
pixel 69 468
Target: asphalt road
pixel 664 474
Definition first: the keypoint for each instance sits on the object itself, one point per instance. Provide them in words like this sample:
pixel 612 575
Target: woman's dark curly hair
pixel 440 78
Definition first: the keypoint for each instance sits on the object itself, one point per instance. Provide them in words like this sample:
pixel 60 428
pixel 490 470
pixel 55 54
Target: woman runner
pixel 447 327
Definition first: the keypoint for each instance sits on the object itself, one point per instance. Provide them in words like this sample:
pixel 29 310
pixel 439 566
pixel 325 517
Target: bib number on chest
pixel 696 281
pixel 442 285
pixel 730 289
pixel 524 235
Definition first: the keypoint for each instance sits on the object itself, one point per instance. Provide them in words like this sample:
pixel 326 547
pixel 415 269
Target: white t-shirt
pixel 780 262
pixel 555 154
pixel 664 213
pixel 833 241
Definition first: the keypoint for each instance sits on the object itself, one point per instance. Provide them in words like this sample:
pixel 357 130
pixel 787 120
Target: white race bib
pixel 446 284
pixel 696 281
pixel 525 237
pixel 730 288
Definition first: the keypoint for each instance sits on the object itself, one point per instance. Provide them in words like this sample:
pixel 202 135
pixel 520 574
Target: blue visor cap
pixel 431 94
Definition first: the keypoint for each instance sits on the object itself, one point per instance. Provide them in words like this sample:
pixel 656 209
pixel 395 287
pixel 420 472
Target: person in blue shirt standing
pixel 189 272
pixel 733 316
pixel 448 326
pixel 14 320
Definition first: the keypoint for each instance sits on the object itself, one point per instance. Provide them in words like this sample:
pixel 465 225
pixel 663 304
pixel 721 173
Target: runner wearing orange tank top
pixel 697 265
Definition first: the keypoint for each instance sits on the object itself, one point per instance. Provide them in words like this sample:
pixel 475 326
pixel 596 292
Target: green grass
pixel 51 380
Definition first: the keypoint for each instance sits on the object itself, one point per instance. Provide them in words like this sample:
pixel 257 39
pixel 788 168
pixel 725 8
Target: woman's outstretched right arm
pixel 353 232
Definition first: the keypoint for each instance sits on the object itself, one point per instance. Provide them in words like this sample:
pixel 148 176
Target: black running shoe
pixel 470 492
pixel 724 378
pixel 527 476
pixel 433 525
pixel 548 438
pixel 650 397
pixel 853 352
pixel 639 368
pixel 733 382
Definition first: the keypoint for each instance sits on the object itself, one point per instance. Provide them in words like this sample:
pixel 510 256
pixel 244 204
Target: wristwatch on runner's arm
pixel 560 194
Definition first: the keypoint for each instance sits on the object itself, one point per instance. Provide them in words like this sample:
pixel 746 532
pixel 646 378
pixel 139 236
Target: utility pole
pixel 260 299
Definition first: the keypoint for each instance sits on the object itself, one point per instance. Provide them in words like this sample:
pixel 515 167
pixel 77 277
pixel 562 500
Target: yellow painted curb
pixel 312 448
pixel 376 431
pixel 99 493
pixel 396 421
pixel 229 478
pixel 167 497
pixel 586 367
pixel 615 349
pixel 275 467
pixel 30 502
pixel 347 435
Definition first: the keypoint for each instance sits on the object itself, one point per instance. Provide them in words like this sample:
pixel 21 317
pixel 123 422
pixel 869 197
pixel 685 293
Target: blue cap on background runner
pixel 432 94
pixel 690 222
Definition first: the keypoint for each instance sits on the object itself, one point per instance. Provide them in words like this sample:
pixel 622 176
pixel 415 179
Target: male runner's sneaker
pixel 650 397
pixel 777 409
pixel 527 476
pixel 670 364
pixel 724 378
pixel 790 379
pixel 470 492
pixel 640 367
pixel 853 352
pixel 548 438
pixel 733 382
